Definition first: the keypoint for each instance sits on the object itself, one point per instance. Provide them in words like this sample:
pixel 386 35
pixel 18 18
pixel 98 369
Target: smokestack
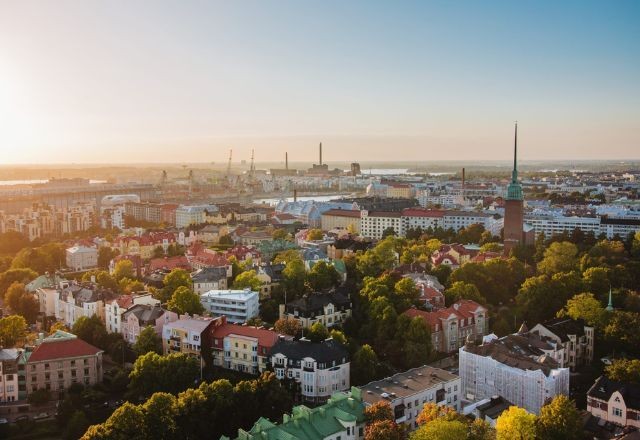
pixel 320 153
pixel 286 160
pixel 462 179
pixel 295 195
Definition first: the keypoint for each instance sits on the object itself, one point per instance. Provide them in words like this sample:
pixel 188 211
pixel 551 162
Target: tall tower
pixel 320 153
pixel 513 209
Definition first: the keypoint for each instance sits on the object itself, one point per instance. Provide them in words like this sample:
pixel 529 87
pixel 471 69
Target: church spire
pixel 514 173
pixel 514 190
pixel 610 305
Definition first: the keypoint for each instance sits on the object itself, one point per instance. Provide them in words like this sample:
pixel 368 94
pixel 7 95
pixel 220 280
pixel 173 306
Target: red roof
pixel 60 349
pixel 169 263
pixel 394 214
pixel 266 338
pixel 462 309
pixel 343 213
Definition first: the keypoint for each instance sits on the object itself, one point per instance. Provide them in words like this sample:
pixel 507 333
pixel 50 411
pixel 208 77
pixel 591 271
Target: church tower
pixel 514 210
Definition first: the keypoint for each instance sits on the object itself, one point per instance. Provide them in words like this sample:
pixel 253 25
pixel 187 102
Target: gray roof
pixel 563 327
pixel 325 351
pixel 603 388
pixel 209 275
pixel 145 313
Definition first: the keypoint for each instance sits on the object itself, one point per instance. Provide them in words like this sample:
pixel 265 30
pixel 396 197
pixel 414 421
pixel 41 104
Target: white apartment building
pixel 516 367
pixel 574 337
pixel 237 305
pixel 551 225
pixel 409 391
pixel 114 309
pixel 321 368
pixel 193 215
pixel 81 258
pixel 78 300
pixel 374 223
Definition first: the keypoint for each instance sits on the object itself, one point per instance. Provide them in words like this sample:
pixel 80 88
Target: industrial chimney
pixel 286 160
pixel 320 153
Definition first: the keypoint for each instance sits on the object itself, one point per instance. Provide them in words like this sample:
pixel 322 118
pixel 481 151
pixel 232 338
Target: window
pixel 617 412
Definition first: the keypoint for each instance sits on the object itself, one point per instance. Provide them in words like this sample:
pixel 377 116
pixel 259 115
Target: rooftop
pixel 240 295
pixel 405 384
pixel 62 345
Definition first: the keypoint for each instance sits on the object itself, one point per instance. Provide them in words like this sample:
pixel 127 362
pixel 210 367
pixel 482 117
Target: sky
pixel 164 81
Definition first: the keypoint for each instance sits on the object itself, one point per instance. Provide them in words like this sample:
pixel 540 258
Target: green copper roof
pixel 514 190
pixel 310 423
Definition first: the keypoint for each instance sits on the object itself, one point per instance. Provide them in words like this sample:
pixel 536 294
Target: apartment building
pixel 346 219
pixel 144 245
pixel 518 367
pixel 81 258
pixel 450 327
pixel 9 358
pixel 321 368
pixel 193 215
pixel 374 223
pixel 243 348
pixel 573 336
pixel 139 316
pixel 78 300
pixel 114 308
pixel 237 305
pixel 191 335
pixel 341 418
pixel 615 402
pixel 209 278
pixel 327 308
pixel 409 391
pixel 61 360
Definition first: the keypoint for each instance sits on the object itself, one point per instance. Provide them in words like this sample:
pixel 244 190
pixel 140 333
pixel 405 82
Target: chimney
pixel 463 179
pixel 320 153
pixel 286 161
pixel 295 195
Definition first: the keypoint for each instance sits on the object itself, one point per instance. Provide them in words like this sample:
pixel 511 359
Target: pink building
pixel 139 316
pixel 615 402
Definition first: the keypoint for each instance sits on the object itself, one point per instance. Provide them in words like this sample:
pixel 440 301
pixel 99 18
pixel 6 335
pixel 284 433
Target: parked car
pixel 41 416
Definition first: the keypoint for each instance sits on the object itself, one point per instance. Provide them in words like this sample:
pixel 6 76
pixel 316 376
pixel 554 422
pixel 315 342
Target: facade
pixel 321 368
pixel 454 255
pixel 450 327
pixel 193 215
pixel 514 207
pixel 139 316
pixel 518 367
pixel 81 257
pixel 409 391
pixel 327 308
pixel 81 300
pixel 374 223
pixel 615 402
pixel 61 360
pixel 347 219
pixel 114 309
pixel 9 358
pixel 243 348
pixel 237 305
pixel 149 212
pixel 341 418
pixel 144 245
pixel 575 337
pixel 209 278
pixel 191 335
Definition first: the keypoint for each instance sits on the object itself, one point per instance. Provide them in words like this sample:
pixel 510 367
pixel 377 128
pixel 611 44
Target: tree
pixel 364 365
pixel 15 275
pixel 171 373
pixel 516 424
pixel 317 332
pixel 559 420
pixel 315 234
pixel 383 430
pixel 148 340
pixel 279 234
pixel 172 281
pixel 431 411
pixel 248 279
pixel 39 396
pixel 131 286
pixel 586 307
pixel 22 303
pixel 559 257
pixel 491 247
pixel 12 241
pixel 541 297
pixel 461 290
pixel 621 331
pixel 441 429
pixel 76 426
pixel 596 280
pixel 624 370
pixel 407 292
pixel 160 413
pixel 389 232
pixel 288 326
pixel 323 276
pixel 105 255
pixel 294 276
pixel 123 269
pixel 380 410
pixel 338 336
pixel 13 328
pixel 46 258
pixel 185 300
pixel 416 342
pixel 90 330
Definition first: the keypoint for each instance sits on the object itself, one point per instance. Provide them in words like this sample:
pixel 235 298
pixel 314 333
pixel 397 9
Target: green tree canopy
pixel 315 234
pixel 172 281
pixel 15 275
pixel 624 370
pixel 123 269
pixel 586 307
pixel 22 303
pixel 91 330
pixel 461 290
pixel 559 257
pixel 248 279
pixel 288 326
pixel 13 328
pixel 364 365
pixel 172 373
pixel 560 420
pixel 323 276
pixel 185 300
pixel 516 423
pixel 148 340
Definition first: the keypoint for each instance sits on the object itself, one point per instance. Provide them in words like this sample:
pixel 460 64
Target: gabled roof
pixel 316 301
pixel 266 338
pixel 325 351
pixel 343 213
pixel 603 388
pixel 563 327
pixel 144 312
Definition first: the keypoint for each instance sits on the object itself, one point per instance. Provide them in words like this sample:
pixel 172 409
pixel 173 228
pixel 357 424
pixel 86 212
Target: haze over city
pixel 123 82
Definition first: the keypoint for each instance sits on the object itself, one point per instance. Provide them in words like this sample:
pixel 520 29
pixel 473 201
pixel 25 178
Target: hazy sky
pixel 176 81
